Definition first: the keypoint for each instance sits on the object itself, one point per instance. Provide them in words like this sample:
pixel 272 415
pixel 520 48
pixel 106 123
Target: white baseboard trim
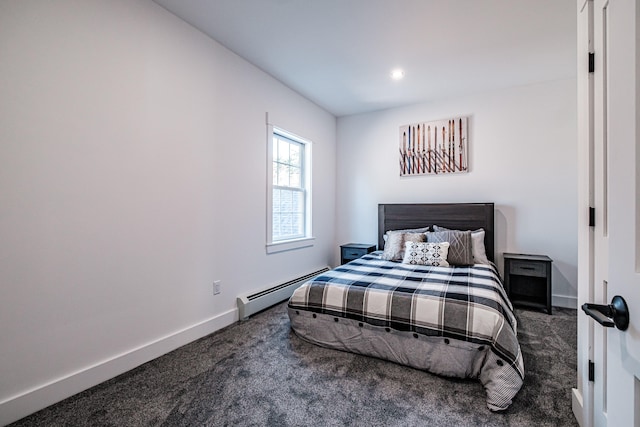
pixel 39 397
pixel 564 301
pixel 577 406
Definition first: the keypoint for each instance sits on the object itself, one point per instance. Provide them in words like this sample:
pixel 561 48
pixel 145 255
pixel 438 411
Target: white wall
pixel 522 157
pixel 132 175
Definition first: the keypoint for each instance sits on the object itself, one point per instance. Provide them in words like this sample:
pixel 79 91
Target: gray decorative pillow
pixel 460 245
pixel 394 246
pixel 477 245
pixel 434 254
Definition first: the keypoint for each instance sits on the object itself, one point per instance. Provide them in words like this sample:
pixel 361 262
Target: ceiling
pixel 340 53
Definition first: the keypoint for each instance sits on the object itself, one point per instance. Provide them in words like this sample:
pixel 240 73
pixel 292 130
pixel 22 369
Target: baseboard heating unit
pixel 258 301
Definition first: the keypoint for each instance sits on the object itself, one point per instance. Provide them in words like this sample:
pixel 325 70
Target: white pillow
pixel 434 254
pixel 477 247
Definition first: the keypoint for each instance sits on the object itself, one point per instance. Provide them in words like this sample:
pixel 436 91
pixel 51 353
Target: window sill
pixel 289 245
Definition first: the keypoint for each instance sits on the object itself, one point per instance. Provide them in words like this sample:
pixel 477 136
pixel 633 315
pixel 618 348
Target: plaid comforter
pixel 462 303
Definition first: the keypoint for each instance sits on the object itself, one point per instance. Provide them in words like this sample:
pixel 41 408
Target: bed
pixel 454 321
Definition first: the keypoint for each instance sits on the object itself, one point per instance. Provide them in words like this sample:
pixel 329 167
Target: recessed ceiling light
pixel 397 74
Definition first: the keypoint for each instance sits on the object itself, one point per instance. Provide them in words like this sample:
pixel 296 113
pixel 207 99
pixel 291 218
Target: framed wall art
pixel 438 147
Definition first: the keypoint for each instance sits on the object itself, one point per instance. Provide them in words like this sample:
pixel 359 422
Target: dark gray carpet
pixel 259 373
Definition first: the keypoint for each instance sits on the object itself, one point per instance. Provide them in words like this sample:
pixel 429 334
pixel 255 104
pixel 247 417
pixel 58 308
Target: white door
pixel 614 394
pixel 621 18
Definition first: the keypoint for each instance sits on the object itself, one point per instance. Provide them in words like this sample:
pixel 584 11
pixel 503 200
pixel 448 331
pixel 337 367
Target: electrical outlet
pixel 216 286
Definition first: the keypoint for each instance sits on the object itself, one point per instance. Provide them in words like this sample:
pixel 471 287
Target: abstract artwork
pixel 437 147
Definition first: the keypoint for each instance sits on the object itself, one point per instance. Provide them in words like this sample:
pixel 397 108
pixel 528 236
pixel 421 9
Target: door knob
pixel 615 314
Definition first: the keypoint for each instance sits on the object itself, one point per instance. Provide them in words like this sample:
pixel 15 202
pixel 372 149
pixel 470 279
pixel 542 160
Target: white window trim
pixel 291 244
pixel 288 245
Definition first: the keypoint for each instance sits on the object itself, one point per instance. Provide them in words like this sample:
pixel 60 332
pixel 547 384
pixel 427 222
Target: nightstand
pixel 527 280
pixel 352 251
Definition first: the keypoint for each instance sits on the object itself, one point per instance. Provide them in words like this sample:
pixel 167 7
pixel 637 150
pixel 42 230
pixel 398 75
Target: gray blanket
pixel 454 321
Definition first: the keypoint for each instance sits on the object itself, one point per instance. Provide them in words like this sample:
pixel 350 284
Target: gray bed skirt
pixel 438 355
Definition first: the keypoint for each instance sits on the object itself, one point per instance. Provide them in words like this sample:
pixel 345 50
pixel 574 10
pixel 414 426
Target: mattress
pixel 451 321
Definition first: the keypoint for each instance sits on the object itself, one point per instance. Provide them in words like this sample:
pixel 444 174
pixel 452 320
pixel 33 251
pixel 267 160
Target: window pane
pixel 298 221
pixel 297 202
pixel 285 201
pixel 276 201
pixel 294 154
pixel 276 226
pixel 295 178
pixel 283 151
pixel 283 175
pixel 285 225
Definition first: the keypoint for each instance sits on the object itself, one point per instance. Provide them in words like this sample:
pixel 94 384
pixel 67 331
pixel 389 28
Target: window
pixel 289 212
pixel 289 191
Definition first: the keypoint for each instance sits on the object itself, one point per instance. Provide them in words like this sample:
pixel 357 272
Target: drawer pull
pixel 527 269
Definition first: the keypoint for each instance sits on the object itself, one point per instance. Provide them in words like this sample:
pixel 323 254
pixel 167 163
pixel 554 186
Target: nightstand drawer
pixel 528 268
pixel 350 253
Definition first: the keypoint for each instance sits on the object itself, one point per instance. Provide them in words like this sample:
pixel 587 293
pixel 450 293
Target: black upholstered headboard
pixel 458 216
